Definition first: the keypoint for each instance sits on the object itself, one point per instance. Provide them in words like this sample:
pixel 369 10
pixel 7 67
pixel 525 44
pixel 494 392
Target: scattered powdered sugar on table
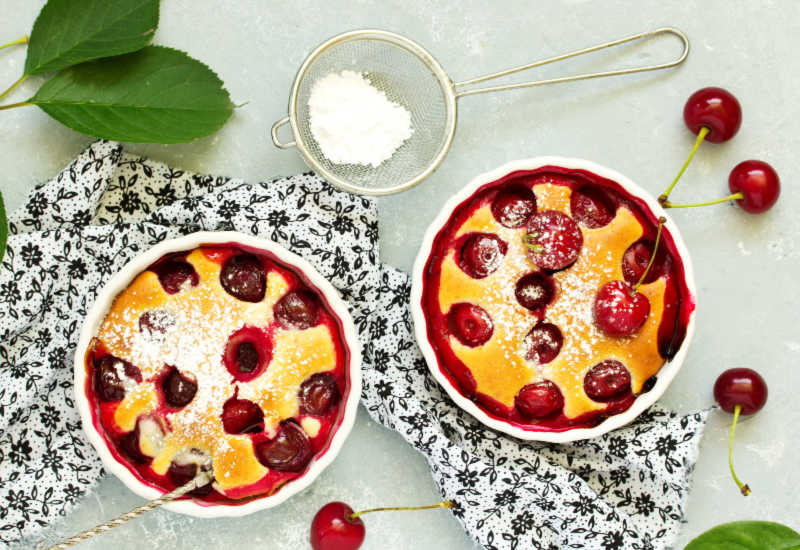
pixel 354 122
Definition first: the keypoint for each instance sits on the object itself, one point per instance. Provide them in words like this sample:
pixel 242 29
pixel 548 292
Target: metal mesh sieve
pixel 411 77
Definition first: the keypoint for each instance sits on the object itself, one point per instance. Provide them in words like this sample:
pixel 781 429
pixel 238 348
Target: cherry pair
pixel 714 115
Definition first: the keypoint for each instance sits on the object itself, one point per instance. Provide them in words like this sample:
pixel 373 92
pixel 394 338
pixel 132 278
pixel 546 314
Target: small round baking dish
pixel 120 282
pixel 665 375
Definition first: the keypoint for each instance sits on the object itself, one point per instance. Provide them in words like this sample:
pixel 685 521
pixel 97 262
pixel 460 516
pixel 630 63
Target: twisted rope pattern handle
pixel 201 479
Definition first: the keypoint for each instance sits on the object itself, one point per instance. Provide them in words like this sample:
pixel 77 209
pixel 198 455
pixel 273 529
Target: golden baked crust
pixel 206 315
pixel 499 366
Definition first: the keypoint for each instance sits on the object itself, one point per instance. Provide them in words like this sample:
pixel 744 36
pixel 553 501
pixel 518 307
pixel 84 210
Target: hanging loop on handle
pixel 276 140
pixel 647 34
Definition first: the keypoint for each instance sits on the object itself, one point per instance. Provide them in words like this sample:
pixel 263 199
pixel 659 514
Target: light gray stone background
pixel 746 266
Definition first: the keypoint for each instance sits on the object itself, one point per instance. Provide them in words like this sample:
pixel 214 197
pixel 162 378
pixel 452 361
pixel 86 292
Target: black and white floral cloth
pixel 626 489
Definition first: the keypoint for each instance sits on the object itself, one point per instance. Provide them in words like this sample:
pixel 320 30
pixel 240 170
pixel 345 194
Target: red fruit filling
pixel 481 254
pixel 543 343
pixel 319 393
pixel 592 207
pixel 513 206
pixel 178 389
pixel 636 258
pixel 174 273
pixel 247 353
pixel 181 474
pixel 289 451
pixel 244 278
pixel 539 400
pixel 242 416
pixel 109 377
pixel 535 291
pixel 297 309
pixel 156 323
pixel 470 324
pixel 607 380
pixel 554 239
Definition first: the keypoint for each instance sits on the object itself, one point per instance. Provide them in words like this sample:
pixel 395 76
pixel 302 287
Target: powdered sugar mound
pixel 354 122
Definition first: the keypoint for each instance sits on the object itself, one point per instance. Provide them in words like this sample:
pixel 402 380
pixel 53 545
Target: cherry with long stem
pixel 734 197
pixel 704 131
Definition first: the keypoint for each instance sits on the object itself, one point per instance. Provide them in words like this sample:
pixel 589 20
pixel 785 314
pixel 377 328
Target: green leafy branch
pixel 109 83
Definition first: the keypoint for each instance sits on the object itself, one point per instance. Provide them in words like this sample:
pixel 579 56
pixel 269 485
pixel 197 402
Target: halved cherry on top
pixel 470 324
pixel 607 380
pixel 248 350
pixel 543 343
pixel 289 451
pixel 514 205
pixel 129 444
pixel 592 207
pixel 242 416
pixel 539 400
pixel 243 277
pixel 482 254
pixel 107 382
pixel 175 273
pixel 179 389
pixel 636 259
pixel 298 309
pixel 319 393
pixel 535 291
pixel 554 240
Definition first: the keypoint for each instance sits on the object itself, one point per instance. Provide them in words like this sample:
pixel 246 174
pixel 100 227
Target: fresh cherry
pixel 758 184
pixel 470 324
pixel 619 310
pixel 591 207
pixel 107 382
pixel 181 474
pixel 155 323
pixel 716 109
pixel 513 206
pixel 319 393
pixel 535 291
pixel 174 274
pixel 607 380
pixel 539 399
pixel 543 343
pixel 243 277
pixel 554 239
pixel 297 309
pixel 178 389
pixel 241 416
pixel 739 391
pixel 289 451
pixel 336 527
pixel 482 254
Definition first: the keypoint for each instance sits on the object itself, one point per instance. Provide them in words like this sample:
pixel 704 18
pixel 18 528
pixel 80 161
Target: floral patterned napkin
pixel 626 489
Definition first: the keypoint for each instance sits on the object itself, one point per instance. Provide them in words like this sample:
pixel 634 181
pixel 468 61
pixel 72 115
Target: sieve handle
pixel 647 34
pixel 278 143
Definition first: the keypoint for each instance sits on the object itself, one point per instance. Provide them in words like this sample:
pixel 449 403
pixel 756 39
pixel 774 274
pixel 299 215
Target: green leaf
pixel 68 32
pixel 156 95
pixel 3 228
pixel 747 535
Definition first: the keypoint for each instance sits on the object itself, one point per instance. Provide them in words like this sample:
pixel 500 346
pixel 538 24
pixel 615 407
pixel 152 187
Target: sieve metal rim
pixel 446 84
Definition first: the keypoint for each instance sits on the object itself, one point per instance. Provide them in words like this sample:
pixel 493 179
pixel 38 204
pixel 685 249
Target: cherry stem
pixel 734 197
pixel 701 135
pixel 19 81
pixel 23 40
pixel 526 242
pixel 743 487
pixel 661 221
pixel 14 105
pixel 443 504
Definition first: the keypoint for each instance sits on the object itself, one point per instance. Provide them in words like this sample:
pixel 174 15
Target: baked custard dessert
pixel 511 289
pixel 221 358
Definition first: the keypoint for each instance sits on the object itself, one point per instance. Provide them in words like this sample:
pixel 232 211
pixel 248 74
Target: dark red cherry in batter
pixel 554 239
pixel 739 391
pixel 482 254
pixel 535 291
pixel 607 380
pixel 179 390
pixel 174 274
pixel 470 324
pixel 181 474
pixel 716 109
pixel 592 207
pixel 108 382
pixel 543 343
pixel 297 309
pixel 319 393
pixel 289 451
pixel 247 357
pixel 244 277
pixel 241 416
pixel 636 259
pixel 155 323
pixel 539 399
pixel 513 206
pixel 758 183
pixel 619 310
